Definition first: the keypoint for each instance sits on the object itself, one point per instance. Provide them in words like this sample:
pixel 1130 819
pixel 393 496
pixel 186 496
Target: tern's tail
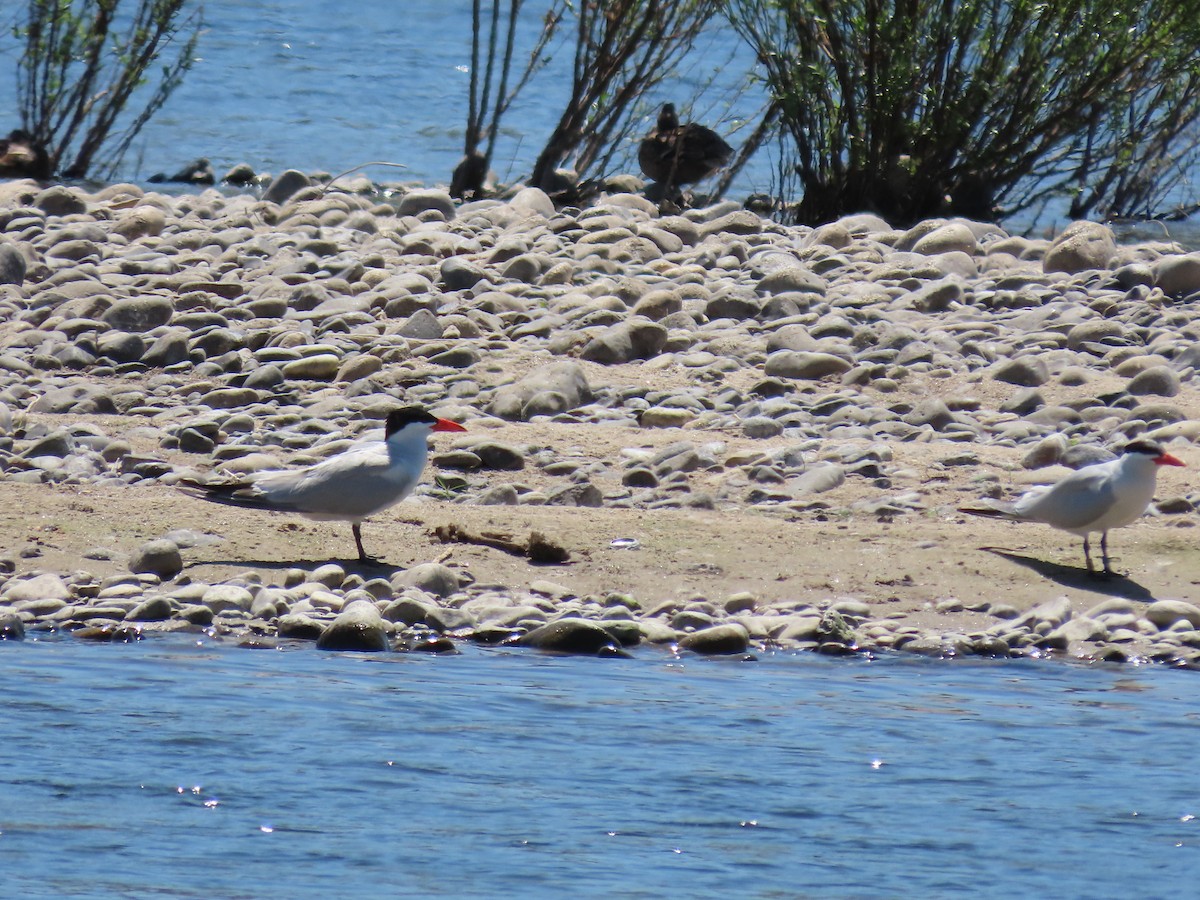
pixel 231 493
pixel 993 509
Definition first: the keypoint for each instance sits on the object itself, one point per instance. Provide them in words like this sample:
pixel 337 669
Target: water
pixel 175 768
pixel 306 84
pixel 317 85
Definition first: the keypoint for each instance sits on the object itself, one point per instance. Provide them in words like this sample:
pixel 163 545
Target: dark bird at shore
pixel 470 177
pixel 674 154
pixel 349 487
pixel 23 157
pixel 1095 498
pixel 199 171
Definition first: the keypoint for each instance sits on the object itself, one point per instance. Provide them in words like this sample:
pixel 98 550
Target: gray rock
pixel 565 378
pixel 222 597
pixel 331 575
pixel 569 635
pixel 820 478
pixel 432 578
pixel 458 274
pixel 299 627
pixel 139 314
pixel 1178 276
pixel 949 238
pixel 167 349
pixel 737 222
pixel 1162 381
pixel 358 367
pixel 448 619
pixel 159 557
pixel 1077 456
pixel 285 185
pixel 805 365
pixel 722 639
pixel 12 265
pixel 140 221
pixel 654 305
pixel 407 611
pixel 499 495
pixel 1025 371
pixel 733 306
pixel 416 202
pixel 1096 331
pixel 1079 628
pixel 545 403
pixel 240 174
pixel 581 494
pixel 121 346
pixel 1052 612
pixel 11 627
pixel 625 342
pixel 152 609
pixel 761 427
pixel 264 378
pixel 792 278
pixel 937 297
pixel 1023 402
pixel 1081 246
pixel 318 367
pixel 1165 613
pixel 56 443
pixel 37 587
pixel 932 412
pixel 532 202
pixel 268 603
pixel 358 627
pixel 525 268
pixel 500 457
pixel 60 201
pixel 422 325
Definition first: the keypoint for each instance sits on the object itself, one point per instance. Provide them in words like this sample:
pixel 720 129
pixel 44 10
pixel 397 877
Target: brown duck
pixel 674 154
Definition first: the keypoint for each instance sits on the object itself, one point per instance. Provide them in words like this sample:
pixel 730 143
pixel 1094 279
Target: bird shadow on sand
pixel 1078 577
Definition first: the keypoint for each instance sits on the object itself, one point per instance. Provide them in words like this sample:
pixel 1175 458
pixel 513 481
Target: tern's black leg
pixel 1087 556
pixel 1108 572
pixel 356 528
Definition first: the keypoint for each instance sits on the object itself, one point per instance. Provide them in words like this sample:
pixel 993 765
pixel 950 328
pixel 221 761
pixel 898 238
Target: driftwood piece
pixel 536 548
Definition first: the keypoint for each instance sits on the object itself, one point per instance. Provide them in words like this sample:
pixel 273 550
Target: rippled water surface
pixel 173 768
pixel 321 84
pixel 325 85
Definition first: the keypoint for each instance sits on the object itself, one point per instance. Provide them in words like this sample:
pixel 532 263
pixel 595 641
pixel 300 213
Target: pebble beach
pixel 702 432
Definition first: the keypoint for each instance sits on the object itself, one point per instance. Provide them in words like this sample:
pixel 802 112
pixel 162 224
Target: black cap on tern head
pixel 1145 448
pixel 408 415
pixel 1154 452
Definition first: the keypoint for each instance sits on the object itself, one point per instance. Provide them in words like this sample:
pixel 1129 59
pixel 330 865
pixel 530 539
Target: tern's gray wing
pixel 1073 503
pixel 351 485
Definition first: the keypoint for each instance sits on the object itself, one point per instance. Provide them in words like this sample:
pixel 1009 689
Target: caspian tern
pixel 348 487
pixel 1095 498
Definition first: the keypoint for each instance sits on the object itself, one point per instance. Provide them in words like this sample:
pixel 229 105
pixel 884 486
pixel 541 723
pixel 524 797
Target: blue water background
pixel 176 768
pixel 325 85
pixel 322 85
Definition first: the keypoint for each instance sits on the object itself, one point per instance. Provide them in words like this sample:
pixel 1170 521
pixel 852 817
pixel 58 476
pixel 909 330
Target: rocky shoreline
pixel 707 416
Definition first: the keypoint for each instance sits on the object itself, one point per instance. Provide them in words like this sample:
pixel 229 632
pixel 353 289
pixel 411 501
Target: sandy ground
pixel 783 556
